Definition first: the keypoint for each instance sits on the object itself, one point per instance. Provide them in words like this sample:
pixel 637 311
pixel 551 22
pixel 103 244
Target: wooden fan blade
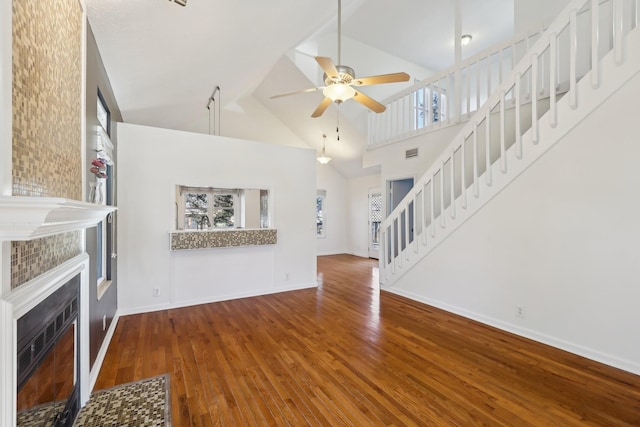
pixel 370 103
pixel 327 66
pixel 382 78
pixel 322 107
pixel 313 89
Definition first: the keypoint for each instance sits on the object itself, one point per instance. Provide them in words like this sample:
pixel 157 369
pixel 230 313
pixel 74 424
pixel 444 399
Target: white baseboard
pixel 97 365
pixel 182 304
pixel 607 359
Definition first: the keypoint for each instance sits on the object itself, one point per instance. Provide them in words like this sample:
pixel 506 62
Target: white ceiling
pixel 164 60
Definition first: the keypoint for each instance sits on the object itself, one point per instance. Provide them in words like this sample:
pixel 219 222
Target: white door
pixel 375 219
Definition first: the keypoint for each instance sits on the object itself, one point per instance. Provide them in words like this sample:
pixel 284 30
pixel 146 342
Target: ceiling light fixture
pixel 324 159
pixel 465 39
pixel 339 92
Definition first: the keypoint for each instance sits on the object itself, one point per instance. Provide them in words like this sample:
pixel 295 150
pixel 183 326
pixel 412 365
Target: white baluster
pixel 442 215
pixel 518 89
pixel 573 60
pixel 487 126
pixel 503 146
pixel 488 76
pixel 463 176
pixel 553 63
pixel 433 209
pixel 500 65
pixel 476 183
pixel 534 99
pixel 424 214
pixel 478 85
pixel 618 30
pixel 452 186
pixel 595 43
pixel 468 89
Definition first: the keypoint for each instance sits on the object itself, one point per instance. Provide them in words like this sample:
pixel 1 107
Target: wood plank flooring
pixel 345 354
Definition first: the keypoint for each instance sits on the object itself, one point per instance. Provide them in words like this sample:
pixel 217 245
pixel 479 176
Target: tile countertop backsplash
pixel 217 238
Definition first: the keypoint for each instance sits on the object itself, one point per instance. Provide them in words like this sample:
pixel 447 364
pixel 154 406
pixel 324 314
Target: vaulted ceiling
pixel 164 60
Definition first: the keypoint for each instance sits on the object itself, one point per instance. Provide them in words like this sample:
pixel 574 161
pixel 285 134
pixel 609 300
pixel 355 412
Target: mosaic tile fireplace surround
pixel 25 219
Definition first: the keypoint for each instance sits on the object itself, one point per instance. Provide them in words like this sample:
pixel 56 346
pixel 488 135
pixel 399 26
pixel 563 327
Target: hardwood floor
pixel 345 354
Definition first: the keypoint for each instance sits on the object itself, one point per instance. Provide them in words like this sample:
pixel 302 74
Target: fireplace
pixel 49 315
pixel 47 356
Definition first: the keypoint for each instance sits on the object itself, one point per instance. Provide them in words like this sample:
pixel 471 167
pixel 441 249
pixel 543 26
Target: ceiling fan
pixel 340 81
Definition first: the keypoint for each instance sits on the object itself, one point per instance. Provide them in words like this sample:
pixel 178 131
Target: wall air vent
pixel 413 152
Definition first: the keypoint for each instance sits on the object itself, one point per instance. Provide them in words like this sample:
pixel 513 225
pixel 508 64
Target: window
pixel 201 208
pixel 105 229
pixel 421 107
pixel 320 213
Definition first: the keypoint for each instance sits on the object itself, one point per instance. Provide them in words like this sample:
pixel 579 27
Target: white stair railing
pixel 437 101
pixel 508 133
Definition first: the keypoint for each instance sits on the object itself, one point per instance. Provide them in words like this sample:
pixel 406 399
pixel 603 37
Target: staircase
pixel 586 54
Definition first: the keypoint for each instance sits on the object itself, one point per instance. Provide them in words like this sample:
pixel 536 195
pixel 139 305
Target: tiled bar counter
pixel 204 239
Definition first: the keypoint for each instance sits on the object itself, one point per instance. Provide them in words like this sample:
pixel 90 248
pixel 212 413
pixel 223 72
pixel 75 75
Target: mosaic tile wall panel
pixel 222 239
pixel 32 258
pixel 46 157
pixel 47 67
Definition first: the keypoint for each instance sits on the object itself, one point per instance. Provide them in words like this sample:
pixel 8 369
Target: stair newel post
pixel 487 127
pixel 595 44
pixel 534 98
pixel 573 59
pixel 553 64
pixel 476 184
pixel 452 186
pixel 517 97
pixel 618 30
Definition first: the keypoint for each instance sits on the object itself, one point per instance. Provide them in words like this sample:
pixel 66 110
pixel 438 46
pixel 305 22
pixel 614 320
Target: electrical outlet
pixel 104 322
pixel 156 292
pixel 519 311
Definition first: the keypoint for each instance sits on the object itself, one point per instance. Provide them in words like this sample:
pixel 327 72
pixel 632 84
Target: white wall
pixel 561 241
pixel 336 225
pixel 536 14
pixel 152 161
pixel 358 212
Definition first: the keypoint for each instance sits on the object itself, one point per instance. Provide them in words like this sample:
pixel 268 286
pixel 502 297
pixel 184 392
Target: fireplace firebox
pixel 48 362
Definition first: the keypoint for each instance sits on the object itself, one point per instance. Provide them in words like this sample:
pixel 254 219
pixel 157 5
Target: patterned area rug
pixel 142 403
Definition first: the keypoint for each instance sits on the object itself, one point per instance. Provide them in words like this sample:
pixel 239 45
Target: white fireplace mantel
pixel 27 218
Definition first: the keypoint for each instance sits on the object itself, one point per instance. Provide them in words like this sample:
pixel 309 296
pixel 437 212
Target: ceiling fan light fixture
pixel 339 92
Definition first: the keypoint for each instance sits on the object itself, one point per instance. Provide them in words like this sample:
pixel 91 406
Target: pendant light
pixel 324 159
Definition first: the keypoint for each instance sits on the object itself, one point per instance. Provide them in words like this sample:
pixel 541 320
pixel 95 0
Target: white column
pixel 457 102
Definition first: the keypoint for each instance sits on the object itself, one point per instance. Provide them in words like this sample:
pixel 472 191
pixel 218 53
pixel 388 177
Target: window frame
pixel 321 214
